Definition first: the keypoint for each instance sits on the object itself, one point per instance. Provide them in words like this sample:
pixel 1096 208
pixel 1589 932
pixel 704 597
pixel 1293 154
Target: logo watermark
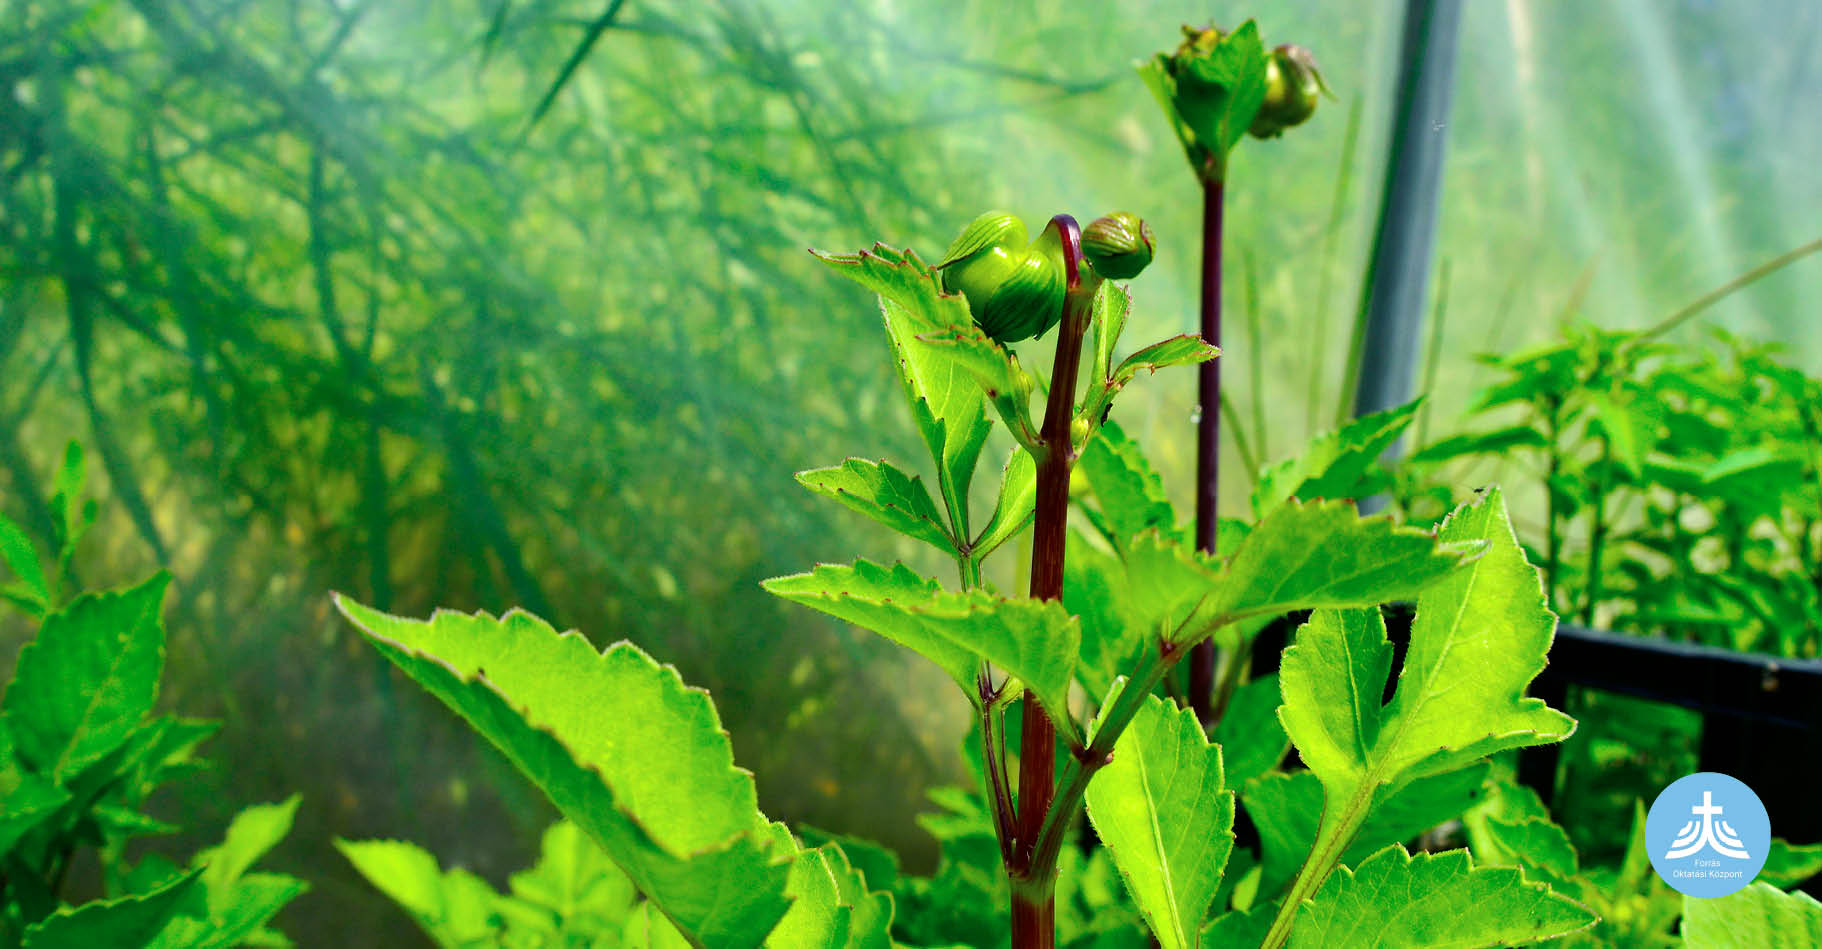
pixel 1708 835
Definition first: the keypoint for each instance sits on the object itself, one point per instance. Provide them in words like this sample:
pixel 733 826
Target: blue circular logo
pixel 1708 835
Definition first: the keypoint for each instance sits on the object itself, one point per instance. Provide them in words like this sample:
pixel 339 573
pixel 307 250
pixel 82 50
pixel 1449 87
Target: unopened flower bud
pixel 1292 85
pixel 1015 289
pixel 1118 245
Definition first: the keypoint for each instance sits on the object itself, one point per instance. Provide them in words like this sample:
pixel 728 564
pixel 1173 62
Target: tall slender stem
pixel 1033 883
pixel 1208 432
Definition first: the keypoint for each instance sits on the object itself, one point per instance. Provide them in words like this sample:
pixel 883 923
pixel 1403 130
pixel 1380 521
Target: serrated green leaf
pixel 1130 494
pixel 1033 640
pixel 1219 93
pixel 575 882
pixel 878 863
pixel 22 559
pixel 1759 915
pixel 817 919
pixel 884 493
pixel 1183 350
pixel 945 401
pixel 1016 505
pixel 1286 808
pixel 82 687
pixel 993 367
pixel 870 910
pixel 1479 637
pixel 1325 555
pixel 1540 846
pixel 127 921
pixel 1432 901
pixel 1334 464
pixel 1161 806
pixel 620 745
pixel 1107 315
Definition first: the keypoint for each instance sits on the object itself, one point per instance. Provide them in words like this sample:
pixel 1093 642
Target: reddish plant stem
pixel 1208 435
pixel 1033 902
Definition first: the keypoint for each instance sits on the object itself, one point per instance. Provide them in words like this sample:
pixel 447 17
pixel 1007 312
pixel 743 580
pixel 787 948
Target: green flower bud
pixel 1118 245
pixel 1014 289
pixel 1292 84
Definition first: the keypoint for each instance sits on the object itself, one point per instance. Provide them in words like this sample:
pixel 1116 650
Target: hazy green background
pixel 328 315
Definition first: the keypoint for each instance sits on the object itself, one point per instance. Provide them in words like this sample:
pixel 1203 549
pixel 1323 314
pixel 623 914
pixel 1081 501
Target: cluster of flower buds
pixel 1221 85
pixel 1016 288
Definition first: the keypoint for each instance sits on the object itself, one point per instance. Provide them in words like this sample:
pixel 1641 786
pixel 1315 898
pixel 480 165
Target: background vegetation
pixel 332 312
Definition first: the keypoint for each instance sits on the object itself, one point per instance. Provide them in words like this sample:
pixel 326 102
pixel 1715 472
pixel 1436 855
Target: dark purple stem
pixel 1208 434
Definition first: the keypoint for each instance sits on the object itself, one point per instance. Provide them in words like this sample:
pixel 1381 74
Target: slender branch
pixel 1208 431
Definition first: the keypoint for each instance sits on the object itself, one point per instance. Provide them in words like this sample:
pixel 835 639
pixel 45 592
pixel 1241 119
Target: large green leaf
pixel 884 493
pixel 621 746
pixel 1162 808
pixel 1034 640
pixel 1432 901
pixel 1479 637
pixel 1758 916
pixel 1325 555
pixel 1334 464
pixel 82 687
pixel 127 921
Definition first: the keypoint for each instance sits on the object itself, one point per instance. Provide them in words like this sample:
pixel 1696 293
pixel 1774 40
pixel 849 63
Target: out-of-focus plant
pixel 80 753
pixel 1215 88
pixel 1683 485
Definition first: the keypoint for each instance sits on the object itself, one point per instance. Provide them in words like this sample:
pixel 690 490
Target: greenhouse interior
pixel 1006 475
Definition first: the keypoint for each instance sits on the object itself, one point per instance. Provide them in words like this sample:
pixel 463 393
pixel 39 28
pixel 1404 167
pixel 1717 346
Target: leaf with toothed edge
pixel 884 493
pixel 1035 641
pixel 621 746
pixel 1394 900
pixel 945 401
pixel 1756 916
pixel 1479 637
pixel 1162 808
